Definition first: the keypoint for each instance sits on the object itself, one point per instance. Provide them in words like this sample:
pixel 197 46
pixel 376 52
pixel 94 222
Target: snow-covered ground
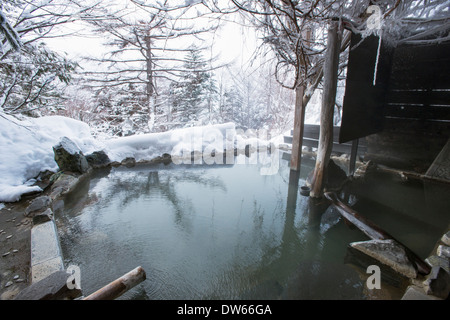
pixel 26 146
pixel 26 149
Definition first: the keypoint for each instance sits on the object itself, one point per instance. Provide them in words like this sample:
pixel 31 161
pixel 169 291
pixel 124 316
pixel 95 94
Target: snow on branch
pixel 10 34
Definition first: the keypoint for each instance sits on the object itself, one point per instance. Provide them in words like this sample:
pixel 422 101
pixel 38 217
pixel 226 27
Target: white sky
pixel 231 43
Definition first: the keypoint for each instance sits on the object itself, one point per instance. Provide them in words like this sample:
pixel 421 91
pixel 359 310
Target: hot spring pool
pixel 220 232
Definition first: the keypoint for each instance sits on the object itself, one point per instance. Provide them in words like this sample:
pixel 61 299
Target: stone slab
pixel 46 268
pixel 46 255
pixel 437 283
pixel 53 287
pixel 416 293
pixel 442 262
pixel 390 253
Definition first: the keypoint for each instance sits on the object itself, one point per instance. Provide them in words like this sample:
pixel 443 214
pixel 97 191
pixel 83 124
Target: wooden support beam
pixel 354 153
pixel 119 286
pixel 373 231
pixel 299 124
pixel 330 74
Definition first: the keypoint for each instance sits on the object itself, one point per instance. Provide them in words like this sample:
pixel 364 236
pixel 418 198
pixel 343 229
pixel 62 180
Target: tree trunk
pixel 330 73
pixel 149 71
pixel 299 122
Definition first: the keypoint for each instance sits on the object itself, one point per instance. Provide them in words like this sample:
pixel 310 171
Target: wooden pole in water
pixel 119 286
pixel 330 74
pixel 299 124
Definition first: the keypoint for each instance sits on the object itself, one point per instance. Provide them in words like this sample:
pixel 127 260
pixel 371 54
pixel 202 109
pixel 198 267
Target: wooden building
pixel 398 98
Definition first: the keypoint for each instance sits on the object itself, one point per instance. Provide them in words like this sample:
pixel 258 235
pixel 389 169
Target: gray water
pixel 218 232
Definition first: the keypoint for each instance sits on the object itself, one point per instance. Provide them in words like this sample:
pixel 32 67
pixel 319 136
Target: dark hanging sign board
pixel 362 113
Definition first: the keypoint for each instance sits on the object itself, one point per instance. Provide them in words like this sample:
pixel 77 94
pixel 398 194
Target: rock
pixel 165 158
pixel 128 162
pixel 446 238
pixel 38 204
pixel 69 157
pixel 45 216
pixel 416 293
pixel 443 251
pixel 335 176
pixel 8 284
pixel 98 159
pixel 115 164
pixel 63 185
pixel 247 150
pixel 438 261
pixel 437 283
pixel 53 287
pixel 364 169
pixel 390 253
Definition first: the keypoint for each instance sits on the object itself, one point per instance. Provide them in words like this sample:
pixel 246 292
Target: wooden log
pixel 404 175
pixel 119 286
pixel 330 74
pixel 373 231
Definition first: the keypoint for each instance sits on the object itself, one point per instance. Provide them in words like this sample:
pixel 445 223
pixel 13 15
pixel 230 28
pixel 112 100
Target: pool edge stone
pixel 46 257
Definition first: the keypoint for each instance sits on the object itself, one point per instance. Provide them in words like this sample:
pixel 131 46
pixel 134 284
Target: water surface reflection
pixel 205 232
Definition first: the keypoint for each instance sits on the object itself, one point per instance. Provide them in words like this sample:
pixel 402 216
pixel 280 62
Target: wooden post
pixel 330 72
pixel 353 155
pixel 119 286
pixel 299 124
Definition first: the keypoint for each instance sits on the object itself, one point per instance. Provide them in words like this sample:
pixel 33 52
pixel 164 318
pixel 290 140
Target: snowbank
pixel 150 145
pixel 26 149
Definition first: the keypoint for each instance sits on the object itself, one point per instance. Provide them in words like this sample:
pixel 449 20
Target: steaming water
pixel 228 232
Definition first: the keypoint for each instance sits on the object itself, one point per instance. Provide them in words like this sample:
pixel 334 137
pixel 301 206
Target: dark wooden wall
pixel 415 108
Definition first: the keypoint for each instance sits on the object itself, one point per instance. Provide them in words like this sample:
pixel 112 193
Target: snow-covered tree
pixel 32 76
pixel 296 30
pixel 33 79
pixel 147 44
pixel 194 95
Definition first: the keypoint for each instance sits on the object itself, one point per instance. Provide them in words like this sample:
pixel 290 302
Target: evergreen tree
pixel 193 97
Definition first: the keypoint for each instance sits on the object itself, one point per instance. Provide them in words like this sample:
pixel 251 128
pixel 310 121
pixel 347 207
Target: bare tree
pixel 148 47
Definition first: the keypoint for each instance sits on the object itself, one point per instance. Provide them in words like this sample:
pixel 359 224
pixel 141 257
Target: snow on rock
pixel 26 149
